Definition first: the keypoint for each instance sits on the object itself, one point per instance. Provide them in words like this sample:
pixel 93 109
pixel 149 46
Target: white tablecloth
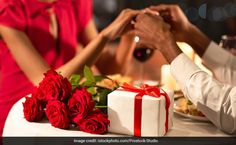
pixel 16 125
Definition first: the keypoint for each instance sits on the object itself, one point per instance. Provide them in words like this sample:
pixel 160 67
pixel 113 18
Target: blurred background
pixel 214 17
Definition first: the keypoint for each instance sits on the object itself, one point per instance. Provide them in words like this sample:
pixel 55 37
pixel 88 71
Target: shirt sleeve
pixel 84 13
pixel 12 14
pixel 214 99
pixel 221 62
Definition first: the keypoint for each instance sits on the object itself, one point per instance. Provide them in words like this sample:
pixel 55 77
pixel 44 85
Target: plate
pixel 177 110
pixel 197 118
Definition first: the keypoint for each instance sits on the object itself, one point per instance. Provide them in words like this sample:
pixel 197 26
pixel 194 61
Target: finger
pixel 129 15
pixel 148 16
pixel 149 11
pixel 139 17
pixel 155 16
pixel 166 16
pixel 161 7
pixel 125 19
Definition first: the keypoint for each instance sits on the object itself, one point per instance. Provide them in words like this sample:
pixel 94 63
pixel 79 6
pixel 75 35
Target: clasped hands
pixel 158 27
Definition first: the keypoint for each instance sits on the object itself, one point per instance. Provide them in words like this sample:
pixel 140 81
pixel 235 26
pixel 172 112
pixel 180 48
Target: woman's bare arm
pixel 33 65
pixel 24 53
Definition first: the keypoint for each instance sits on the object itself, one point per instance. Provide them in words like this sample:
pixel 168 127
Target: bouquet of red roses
pixel 66 102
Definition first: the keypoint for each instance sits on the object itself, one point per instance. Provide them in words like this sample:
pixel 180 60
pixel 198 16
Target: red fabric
pixel 145 90
pixel 32 17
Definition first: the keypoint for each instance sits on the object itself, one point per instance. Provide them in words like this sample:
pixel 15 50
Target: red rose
pixel 37 93
pixel 95 123
pixel 53 87
pixel 80 105
pixel 57 114
pixel 33 110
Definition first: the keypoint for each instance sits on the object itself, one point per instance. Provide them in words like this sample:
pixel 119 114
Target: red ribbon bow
pixel 150 91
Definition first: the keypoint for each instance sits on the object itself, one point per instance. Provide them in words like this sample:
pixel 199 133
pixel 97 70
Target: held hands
pixel 172 14
pixel 152 31
pixel 181 28
pixel 155 31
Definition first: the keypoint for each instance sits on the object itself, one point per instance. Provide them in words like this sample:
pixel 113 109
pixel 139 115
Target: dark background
pixel 213 17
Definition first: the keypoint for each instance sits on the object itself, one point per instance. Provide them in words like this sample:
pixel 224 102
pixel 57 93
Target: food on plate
pixel 113 80
pixel 185 106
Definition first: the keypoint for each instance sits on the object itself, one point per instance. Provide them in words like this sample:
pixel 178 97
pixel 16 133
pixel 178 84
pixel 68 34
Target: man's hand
pixel 152 31
pixel 155 33
pixel 173 15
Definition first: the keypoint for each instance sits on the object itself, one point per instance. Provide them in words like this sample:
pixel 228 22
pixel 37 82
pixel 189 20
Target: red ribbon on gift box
pixel 150 91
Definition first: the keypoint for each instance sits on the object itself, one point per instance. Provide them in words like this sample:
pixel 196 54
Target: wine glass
pixel 228 42
pixel 142 55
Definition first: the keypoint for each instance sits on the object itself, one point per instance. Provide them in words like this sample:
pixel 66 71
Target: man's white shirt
pixel 214 96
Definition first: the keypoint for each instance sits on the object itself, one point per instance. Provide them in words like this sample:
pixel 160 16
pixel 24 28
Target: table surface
pixel 16 125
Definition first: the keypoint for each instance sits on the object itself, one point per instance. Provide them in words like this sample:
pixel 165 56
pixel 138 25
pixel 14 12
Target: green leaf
pixel 99 78
pixel 88 74
pixel 88 84
pixel 92 90
pixel 75 79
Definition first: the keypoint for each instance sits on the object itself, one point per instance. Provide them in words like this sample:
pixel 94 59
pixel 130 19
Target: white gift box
pixel 153 117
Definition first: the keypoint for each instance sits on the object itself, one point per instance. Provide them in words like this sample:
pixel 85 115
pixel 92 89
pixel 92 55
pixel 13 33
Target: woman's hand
pixel 120 25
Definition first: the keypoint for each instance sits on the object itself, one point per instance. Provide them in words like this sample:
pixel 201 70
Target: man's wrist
pixel 189 31
pixel 197 39
pixel 171 53
pixel 170 49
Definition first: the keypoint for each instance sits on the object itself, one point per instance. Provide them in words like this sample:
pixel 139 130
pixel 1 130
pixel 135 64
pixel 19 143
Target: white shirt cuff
pixel 215 56
pixel 182 68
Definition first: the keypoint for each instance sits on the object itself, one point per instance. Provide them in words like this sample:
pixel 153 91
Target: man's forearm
pixel 197 39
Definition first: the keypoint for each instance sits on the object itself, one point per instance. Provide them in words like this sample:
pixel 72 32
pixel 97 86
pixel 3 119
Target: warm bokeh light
pixel 188 50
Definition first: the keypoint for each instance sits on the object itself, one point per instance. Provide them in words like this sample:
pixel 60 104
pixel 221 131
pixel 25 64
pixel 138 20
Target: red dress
pixel 33 18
